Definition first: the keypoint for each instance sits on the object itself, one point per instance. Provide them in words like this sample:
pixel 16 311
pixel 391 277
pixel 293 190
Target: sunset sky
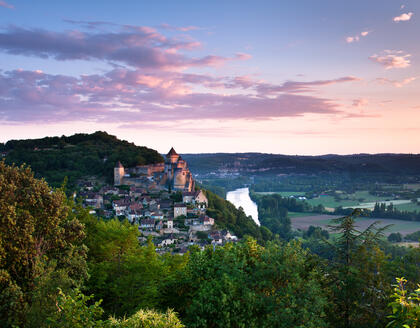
pixel 295 77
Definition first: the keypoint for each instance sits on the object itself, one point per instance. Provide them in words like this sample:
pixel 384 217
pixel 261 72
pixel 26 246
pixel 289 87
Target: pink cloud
pixel 297 87
pixel 356 38
pixel 403 17
pixel 137 46
pixel 360 102
pixel 395 83
pixel 392 59
pixel 127 96
pixel 6 5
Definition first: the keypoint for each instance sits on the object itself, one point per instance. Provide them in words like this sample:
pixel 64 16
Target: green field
pixel 303 222
pixel 347 200
pixel 409 207
pixel 299 214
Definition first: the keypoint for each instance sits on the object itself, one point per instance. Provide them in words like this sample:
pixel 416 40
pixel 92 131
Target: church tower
pixel 118 174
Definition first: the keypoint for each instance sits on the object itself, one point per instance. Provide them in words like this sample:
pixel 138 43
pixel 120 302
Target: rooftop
pixel 172 152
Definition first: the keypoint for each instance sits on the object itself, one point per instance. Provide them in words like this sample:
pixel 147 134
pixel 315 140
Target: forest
pixel 61 267
pixel 77 156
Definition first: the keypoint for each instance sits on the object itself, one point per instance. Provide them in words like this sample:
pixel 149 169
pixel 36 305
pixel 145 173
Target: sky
pixel 288 77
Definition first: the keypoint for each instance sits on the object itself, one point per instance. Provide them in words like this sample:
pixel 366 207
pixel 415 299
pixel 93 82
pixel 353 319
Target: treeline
pixel 80 155
pixel 383 211
pixel 273 212
pixel 61 267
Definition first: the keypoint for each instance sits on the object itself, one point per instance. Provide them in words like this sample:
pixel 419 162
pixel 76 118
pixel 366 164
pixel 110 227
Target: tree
pixel 148 319
pixel 40 247
pixel 357 281
pixel 123 274
pixel 73 311
pixel 395 237
pixel 247 285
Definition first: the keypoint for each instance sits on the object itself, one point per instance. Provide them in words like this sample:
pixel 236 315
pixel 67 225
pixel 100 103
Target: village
pixel 162 200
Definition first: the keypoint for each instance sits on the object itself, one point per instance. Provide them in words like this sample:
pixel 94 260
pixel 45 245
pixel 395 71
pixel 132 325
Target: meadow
pixel 305 220
pixel 360 199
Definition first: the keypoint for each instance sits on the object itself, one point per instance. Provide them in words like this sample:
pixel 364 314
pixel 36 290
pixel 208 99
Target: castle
pixel 173 174
pixel 177 174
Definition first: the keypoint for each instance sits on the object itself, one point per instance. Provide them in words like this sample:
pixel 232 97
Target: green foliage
pixel 148 319
pixel 77 156
pixel 247 285
pixel 202 234
pixel 395 237
pixel 40 247
pixel 177 197
pixel 73 311
pixel 415 236
pixel 316 232
pixel 227 216
pixel 358 269
pixel 405 306
pixel 125 275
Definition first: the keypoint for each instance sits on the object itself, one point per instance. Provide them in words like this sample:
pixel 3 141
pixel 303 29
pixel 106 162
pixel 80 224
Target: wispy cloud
pixel 6 5
pixel 179 28
pixel 360 102
pixel 403 17
pixel 127 96
pixel 136 46
pixel 356 38
pixel 395 83
pixel 392 59
pixel 149 83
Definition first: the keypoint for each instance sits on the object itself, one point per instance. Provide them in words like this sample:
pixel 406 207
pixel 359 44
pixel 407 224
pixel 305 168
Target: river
pixel 240 198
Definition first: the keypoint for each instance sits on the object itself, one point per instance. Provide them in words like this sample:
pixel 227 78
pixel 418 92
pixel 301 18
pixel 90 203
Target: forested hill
pixel 76 156
pixel 399 164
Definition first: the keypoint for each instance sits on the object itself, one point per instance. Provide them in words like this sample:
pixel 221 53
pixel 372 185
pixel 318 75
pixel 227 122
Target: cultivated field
pixel 404 227
pixel 360 199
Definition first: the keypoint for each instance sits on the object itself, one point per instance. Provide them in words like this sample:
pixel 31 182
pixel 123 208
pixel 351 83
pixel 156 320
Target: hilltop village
pixel 162 200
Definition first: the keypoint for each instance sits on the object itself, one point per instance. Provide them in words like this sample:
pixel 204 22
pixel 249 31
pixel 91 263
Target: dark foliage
pixel 76 156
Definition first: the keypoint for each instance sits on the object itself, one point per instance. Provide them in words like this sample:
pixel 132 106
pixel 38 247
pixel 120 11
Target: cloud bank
pixel 150 82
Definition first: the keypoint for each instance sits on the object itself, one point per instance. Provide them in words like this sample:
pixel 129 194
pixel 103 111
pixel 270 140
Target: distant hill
pixel 76 156
pixel 266 164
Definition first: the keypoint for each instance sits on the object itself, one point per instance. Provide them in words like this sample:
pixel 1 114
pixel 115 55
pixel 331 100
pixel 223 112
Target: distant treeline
pixel 273 212
pixel 268 164
pixel 383 211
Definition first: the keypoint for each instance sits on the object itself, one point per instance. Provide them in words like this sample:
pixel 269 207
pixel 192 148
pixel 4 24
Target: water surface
pixel 240 198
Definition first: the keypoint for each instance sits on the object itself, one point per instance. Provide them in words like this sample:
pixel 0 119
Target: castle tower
pixel 172 156
pixel 118 174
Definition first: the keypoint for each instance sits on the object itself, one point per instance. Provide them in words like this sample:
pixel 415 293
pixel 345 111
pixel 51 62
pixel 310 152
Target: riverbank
pixel 240 198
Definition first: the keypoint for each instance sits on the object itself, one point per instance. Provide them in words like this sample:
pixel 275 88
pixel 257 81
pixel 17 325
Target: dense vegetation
pixel 76 156
pixel 381 210
pixel 273 212
pixel 227 216
pixel 53 254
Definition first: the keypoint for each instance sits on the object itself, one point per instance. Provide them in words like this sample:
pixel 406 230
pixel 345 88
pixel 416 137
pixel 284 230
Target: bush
pixel 395 237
